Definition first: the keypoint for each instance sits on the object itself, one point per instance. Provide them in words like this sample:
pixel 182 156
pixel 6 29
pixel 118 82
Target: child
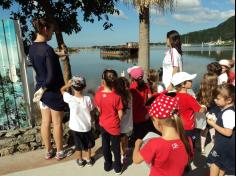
pixel 153 81
pixel 169 154
pixel 110 106
pixel 225 65
pixel 222 156
pixel 188 105
pixel 126 125
pixel 80 118
pixel 205 96
pixel 140 94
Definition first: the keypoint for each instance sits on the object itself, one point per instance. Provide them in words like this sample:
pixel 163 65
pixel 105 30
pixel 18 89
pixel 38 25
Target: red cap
pixel 164 107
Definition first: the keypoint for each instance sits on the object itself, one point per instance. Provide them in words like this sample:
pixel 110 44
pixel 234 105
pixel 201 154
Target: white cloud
pixel 192 11
pixel 183 4
pixel 160 21
pixel 121 15
pixel 203 15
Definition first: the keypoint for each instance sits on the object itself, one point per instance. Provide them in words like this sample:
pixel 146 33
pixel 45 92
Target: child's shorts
pixel 83 140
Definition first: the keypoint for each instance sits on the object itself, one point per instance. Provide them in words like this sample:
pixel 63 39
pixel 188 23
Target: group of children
pixel 125 114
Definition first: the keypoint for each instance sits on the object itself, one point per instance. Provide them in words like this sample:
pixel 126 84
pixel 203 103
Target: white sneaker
pixel 60 155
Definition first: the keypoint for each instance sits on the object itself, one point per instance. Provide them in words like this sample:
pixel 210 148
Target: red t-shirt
pixel 139 97
pixel 167 158
pixel 231 76
pixel 188 105
pixel 109 104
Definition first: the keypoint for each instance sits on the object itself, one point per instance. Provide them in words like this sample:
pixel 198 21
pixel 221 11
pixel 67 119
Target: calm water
pixel 90 64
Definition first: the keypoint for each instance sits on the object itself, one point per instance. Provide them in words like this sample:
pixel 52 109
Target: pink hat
pixel 136 73
pixel 164 107
pixel 131 68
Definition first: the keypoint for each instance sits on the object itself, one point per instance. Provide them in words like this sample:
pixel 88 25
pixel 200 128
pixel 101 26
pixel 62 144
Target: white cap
pixel 225 62
pixel 131 68
pixel 180 77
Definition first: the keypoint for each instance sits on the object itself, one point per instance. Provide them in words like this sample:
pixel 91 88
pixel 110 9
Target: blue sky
pixel 189 15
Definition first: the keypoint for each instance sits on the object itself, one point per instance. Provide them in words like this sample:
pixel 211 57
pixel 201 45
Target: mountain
pixel 224 31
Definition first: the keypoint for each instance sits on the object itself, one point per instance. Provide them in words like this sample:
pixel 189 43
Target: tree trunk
pixel 66 61
pixel 144 39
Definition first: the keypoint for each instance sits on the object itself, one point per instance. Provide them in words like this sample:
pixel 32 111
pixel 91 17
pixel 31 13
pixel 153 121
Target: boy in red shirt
pixel 169 154
pixel 188 105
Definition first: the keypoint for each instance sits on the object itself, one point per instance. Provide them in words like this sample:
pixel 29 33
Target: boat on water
pixel 128 50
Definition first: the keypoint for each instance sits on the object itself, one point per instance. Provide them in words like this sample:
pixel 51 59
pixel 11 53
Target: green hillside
pixel 225 31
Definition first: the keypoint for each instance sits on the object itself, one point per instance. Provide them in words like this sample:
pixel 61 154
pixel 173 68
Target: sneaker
pixel 107 167
pixel 49 154
pixel 70 152
pixel 90 162
pixel 81 163
pixel 120 171
pixel 60 155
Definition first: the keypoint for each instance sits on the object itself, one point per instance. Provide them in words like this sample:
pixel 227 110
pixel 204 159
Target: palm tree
pixel 143 7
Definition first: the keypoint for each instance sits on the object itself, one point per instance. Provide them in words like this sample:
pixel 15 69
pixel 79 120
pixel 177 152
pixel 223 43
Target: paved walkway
pixel 33 164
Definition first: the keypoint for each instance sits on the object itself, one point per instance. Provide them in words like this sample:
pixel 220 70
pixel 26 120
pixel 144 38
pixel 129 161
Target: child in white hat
pixel 225 66
pixel 188 105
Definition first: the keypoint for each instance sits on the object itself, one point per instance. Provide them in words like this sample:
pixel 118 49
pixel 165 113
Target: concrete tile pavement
pixel 70 168
pixel 33 164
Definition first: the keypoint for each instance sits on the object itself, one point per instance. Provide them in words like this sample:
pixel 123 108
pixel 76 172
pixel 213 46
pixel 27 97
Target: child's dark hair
pixel 41 23
pixel 175 41
pixel 141 83
pixel 160 74
pixel 121 88
pixel 153 78
pixel 109 76
pixel 179 86
pixel 227 91
pixel 214 67
pixel 80 88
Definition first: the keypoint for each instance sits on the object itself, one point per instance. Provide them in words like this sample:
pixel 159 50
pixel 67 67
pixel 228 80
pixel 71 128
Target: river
pixel 90 64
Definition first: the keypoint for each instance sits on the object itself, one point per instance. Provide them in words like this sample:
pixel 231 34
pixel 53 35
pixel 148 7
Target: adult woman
pixel 172 62
pixel 49 80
